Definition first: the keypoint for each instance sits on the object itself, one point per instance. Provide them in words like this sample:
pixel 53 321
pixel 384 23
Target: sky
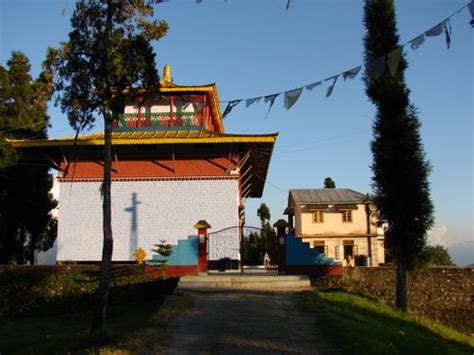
pixel 254 48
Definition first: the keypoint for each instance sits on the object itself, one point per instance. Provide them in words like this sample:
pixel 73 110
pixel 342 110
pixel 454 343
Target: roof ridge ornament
pixel 167 79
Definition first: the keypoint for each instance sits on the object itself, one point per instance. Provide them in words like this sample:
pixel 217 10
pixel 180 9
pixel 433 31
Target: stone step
pixel 197 286
pixel 245 282
pixel 260 269
pixel 245 278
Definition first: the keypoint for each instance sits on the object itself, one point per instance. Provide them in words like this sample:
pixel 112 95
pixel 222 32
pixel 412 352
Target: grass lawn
pixel 359 324
pixel 132 326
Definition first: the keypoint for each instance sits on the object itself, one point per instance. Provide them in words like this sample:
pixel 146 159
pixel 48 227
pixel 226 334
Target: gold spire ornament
pixel 167 79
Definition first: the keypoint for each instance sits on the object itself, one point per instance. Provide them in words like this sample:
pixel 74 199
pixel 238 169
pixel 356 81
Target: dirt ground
pixel 246 322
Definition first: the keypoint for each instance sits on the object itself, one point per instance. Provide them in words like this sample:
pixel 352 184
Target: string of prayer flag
pixel 377 66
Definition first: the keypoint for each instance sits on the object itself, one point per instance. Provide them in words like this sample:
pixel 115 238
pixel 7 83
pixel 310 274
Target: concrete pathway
pixel 246 322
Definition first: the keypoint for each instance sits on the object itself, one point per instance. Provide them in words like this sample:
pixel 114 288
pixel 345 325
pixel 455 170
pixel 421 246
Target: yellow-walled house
pixel 342 223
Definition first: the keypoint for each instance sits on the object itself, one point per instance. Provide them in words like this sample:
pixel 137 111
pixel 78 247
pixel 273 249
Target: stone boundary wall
pixel 314 270
pixel 116 269
pixel 445 294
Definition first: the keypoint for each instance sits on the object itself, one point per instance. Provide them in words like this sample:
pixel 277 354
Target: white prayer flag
pixel 352 73
pixel 230 106
pixel 375 67
pixel 470 6
pixel 435 31
pixel 416 42
pixel 313 85
pixel 291 97
pixel 249 102
pixel 447 32
pixel 271 100
pixel 331 87
pixel 393 60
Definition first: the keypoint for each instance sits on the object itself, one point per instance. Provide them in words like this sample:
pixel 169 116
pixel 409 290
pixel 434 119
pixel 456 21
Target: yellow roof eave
pixel 209 87
pixel 131 141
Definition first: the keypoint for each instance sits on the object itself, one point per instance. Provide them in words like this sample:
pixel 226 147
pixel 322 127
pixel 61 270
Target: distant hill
pixel 462 253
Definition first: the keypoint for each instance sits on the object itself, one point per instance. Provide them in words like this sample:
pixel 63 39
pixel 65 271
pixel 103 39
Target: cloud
pixel 438 235
pixel 461 251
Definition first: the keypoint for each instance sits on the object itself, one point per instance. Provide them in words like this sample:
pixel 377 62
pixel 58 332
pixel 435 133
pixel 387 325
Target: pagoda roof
pixel 255 149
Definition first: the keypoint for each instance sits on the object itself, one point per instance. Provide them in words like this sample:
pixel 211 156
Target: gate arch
pixel 225 248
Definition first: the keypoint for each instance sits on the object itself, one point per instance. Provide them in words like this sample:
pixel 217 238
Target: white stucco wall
pixel 165 210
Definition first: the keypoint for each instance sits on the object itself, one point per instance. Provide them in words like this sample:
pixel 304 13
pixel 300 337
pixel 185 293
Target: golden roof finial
pixel 166 76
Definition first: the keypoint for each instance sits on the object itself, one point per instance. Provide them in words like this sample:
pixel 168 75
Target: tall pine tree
pixel 400 169
pixel 107 53
pixel 26 224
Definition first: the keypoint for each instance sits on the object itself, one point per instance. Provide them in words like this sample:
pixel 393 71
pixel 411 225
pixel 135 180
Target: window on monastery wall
pixel 318 216
pixel 346 216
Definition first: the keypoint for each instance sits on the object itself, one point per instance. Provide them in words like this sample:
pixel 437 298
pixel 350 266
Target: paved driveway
pixel 246 322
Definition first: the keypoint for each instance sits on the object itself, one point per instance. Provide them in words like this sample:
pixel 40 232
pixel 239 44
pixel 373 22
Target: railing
pixel 157 120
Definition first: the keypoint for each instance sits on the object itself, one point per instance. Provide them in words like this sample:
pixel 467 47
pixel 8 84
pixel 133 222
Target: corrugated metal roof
pixel 329 196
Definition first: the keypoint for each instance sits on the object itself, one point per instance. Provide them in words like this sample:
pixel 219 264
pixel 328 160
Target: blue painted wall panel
pixel 300 253
pixel 185 253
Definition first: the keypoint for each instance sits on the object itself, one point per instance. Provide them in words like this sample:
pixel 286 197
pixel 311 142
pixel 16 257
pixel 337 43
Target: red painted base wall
pixel 153 168
pixel 314 270
pixel 171 271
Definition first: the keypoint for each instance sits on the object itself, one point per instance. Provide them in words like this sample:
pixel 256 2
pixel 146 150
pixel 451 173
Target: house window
pixel 346 216
pixel 319 246
pixel 318 216
pixel 348 249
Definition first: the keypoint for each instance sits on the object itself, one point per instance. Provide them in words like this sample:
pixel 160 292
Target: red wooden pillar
pixel 139 104
pixel 171 123
pixel 281 226
pixel 202 226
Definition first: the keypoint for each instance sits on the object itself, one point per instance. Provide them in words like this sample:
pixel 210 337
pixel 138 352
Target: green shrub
pixel 55 290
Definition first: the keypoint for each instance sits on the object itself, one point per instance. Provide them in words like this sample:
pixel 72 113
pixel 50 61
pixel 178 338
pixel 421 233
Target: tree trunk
pixel 100 313
pixel 98 322
pixel 20 246
pixel 369 237
pixel 401 286
pixel 31 251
